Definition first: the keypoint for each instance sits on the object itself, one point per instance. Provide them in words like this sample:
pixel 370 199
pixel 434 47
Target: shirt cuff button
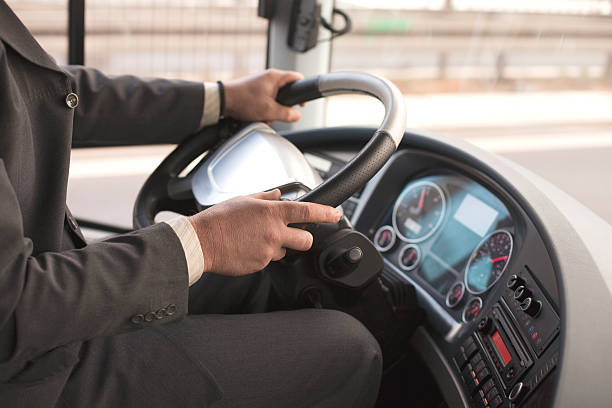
pixel 149 317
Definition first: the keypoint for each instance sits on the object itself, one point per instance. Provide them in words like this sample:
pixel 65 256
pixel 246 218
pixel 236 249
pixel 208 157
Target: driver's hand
pixel 242 235
pixel 253 98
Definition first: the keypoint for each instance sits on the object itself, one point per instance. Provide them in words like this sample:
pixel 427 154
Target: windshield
pixel 528 79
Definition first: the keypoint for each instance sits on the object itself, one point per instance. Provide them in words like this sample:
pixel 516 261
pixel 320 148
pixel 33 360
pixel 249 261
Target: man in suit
pixel 107 324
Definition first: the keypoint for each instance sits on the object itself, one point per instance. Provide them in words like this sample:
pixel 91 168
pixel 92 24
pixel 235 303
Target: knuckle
pixel 306 212
pixel 271 236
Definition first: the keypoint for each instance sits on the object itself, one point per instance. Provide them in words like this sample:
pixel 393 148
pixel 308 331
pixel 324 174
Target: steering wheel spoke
pixel 179 188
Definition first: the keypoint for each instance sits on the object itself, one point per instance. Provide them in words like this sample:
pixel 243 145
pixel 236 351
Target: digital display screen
pixel 475 215
pixel 502 350
pixel 436 274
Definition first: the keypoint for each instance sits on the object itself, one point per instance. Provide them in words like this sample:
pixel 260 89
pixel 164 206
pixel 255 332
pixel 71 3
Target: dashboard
pixel 480 269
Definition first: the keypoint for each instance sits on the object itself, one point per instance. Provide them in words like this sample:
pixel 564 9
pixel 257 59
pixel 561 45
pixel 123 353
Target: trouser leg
pixel 303 358
pixel 231 295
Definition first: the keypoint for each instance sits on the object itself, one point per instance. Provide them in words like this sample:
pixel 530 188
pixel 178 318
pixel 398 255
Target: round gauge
pixel 488 261
pixel 409 257
pixel 384 239
pixel 455 294
pixel 472 309
pixel 419 211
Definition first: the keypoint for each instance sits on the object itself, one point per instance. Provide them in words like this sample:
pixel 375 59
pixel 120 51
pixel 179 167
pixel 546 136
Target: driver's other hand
pixel 242 235
pixel 253 98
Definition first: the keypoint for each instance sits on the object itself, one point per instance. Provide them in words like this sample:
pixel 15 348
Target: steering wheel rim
pixel 164 190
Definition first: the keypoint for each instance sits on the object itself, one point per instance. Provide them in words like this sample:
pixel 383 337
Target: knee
pixel 349 338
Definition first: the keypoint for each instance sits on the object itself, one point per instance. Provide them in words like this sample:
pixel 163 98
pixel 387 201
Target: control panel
pixel 513 347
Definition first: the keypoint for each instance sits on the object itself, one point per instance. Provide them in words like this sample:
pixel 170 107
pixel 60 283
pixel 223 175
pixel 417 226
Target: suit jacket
pixel 55 291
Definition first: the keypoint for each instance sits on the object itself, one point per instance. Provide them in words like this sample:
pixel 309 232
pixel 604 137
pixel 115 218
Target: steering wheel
pixel 165 190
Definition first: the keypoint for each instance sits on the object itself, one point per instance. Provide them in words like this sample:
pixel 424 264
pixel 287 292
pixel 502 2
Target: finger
pixel 287 77
pixel 297 239
pixel 272 195
pixel 280 254
pixel 288 114
pixel 284 113
pixel 296 212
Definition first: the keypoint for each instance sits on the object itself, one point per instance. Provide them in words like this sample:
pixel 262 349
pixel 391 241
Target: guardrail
pixel 207 41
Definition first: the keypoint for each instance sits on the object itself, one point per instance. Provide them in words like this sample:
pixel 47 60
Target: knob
pixel 518 392
pixel 531 307
pixel 521 293
pixel 515 281
pixel 484 324
pixel 353 255
pixel 342 262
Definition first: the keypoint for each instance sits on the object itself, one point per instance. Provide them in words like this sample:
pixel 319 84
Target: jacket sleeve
pixel 126 110
pixel 130 281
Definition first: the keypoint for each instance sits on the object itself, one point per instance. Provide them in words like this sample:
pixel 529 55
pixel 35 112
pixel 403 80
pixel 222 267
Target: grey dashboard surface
pixel 575 240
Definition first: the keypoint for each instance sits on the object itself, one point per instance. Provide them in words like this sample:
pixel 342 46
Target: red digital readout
pixel 501 348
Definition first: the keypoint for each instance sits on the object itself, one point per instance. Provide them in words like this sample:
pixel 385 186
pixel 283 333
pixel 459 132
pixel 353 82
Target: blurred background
pixel 530 80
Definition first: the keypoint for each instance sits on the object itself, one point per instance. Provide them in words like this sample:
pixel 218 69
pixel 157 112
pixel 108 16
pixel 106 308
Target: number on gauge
pixel 488 261
pixel 419 211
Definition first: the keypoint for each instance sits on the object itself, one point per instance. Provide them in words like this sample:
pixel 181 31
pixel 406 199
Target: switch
pixel 521 293
pixel 514 282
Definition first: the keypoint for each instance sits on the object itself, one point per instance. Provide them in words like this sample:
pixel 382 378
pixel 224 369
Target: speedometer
pixel 419 211
pixel 488 261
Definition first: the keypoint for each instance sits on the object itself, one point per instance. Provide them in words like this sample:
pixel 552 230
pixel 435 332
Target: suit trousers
pixel 230 352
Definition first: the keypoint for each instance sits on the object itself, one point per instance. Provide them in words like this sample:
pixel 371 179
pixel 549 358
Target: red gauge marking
pixel 412 254
pixel 501 258
pixel 421 200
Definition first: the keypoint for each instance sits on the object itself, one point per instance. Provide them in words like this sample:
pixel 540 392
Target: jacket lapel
pixel 15 34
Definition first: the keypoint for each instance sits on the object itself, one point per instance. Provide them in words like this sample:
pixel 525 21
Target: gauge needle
pixel 422 198
pixel 501 258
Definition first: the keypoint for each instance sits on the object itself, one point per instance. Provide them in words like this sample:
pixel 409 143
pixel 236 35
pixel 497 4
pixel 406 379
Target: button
pixel 160 314
pixel 471 349
pixel 467 342
pixel 171 309
pixel 137 319
pixel 491 394
pixel 72 100
pixel 486 387
pixel 149 317
pixel 353 255
pixel 496 402
pixel 482 374
pixel 476 359
pixel 480 366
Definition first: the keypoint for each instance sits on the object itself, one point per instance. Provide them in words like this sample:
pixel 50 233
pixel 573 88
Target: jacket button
pixel 171 309
pixel 72 100
pixel 149 317
pixel 137 319
pixel 160 314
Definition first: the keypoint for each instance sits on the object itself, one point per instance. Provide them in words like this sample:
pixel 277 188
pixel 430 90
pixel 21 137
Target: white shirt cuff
pixel 191 246
pixel 212 104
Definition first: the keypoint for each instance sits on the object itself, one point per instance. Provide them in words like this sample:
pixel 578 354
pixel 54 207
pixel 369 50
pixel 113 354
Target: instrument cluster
pixel 451 236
